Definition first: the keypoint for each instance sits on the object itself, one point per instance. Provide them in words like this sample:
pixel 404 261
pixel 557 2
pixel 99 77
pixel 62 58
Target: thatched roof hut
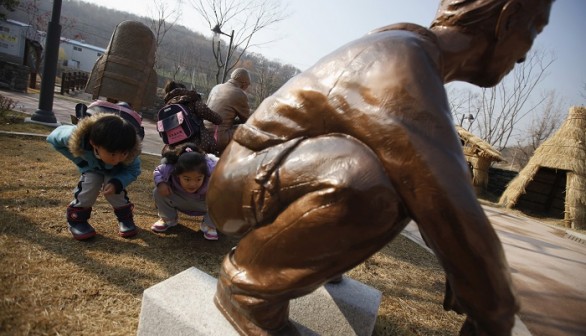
pixel 479 154
pixel 553 183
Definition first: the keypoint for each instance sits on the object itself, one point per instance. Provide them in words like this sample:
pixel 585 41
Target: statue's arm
pixel 423 157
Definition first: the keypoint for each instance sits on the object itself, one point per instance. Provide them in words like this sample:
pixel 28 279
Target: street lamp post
pixel 217 31
pixel 45 115
pixel 468 117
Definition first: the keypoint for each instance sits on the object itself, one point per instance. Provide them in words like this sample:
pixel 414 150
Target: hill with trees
pixel 183 55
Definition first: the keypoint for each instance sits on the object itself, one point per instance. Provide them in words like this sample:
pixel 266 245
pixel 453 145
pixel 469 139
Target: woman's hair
pixel 469 13
pixel 171 85
pixel 113 133
pixel 186 157
pixel 477 15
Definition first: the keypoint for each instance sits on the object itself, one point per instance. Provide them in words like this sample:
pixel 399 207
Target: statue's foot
pixel 250 315
pixel 243 325
pixel 246 309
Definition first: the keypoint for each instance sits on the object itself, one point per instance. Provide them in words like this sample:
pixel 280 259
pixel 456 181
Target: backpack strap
pixel 106 104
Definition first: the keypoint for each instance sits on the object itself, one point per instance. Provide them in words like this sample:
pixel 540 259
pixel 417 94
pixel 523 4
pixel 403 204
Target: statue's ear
pixel 509 15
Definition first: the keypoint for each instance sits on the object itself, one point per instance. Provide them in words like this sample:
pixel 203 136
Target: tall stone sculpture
pixel 331 168
pixel 125 71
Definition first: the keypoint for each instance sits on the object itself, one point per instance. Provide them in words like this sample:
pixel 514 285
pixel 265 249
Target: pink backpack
pixel 175 124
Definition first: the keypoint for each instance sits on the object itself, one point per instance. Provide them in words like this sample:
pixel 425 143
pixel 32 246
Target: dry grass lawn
pixel 54 285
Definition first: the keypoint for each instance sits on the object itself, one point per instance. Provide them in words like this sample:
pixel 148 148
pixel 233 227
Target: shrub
pixel 6 104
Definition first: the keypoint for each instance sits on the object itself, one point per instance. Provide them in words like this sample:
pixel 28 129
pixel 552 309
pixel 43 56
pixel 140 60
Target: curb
pixel 45 135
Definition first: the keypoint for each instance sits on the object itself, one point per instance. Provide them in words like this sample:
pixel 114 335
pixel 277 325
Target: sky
pixel 314 28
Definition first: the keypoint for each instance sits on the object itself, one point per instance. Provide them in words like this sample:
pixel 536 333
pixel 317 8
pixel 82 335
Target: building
pixel 553 183
pixel 20 55
pixel 13 38
pixel 479 154
pixel 78 56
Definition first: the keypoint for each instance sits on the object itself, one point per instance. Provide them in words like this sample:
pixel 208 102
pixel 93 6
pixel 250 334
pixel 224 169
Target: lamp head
pixel 217 29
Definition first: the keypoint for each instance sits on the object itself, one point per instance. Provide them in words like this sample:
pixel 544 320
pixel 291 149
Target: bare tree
pixel 458 99
pixel 502 107
pixel 547 120
pixel 180 63
pixel 39 19
pixel 186 65
pixel 462 105
pixel 265 75
pixel 9 5
pixel 245 18
pixel 270 76
pixel 162 19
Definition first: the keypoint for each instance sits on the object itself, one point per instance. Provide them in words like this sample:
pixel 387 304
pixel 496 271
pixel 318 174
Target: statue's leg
pixel 326 208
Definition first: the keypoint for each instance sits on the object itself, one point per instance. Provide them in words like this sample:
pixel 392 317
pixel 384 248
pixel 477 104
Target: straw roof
pixel 477 146
pixel 565 150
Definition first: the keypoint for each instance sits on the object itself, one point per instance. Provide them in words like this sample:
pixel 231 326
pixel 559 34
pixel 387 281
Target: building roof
pixel 478 146
pixel 564 150
pixel 82 44
pixel 18 23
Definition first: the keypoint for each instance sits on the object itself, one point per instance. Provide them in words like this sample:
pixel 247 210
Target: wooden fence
pixel 73 81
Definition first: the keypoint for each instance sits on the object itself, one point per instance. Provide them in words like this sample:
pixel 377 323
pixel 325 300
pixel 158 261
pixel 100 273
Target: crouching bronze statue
pixel 332 167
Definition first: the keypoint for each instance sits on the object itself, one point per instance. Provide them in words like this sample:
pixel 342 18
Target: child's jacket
pixel 73 142
pixel 164 173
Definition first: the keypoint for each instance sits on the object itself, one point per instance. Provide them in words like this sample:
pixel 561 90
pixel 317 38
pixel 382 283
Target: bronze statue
pixel 333 166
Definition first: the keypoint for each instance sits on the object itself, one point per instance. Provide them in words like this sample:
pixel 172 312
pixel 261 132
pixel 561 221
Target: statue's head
pixel 504 29
pixel 242 77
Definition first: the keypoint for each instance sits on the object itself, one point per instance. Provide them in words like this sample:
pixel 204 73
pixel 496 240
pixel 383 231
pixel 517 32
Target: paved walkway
pixel 548 263
pixel 64 107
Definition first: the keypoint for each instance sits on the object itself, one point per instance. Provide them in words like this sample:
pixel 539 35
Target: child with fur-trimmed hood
pixel 105 148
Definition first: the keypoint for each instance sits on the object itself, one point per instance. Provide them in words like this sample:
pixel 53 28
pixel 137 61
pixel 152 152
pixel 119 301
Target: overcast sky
pixel 316 27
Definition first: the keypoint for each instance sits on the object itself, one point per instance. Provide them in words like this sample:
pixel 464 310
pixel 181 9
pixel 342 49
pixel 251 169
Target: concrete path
pixel 64 107
pixel 548 264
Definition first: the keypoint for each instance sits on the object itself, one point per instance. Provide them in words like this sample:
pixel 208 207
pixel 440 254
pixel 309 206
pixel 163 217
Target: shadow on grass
pixel 406 279
pixel 110 272
pixel 174 253
pixel 387 325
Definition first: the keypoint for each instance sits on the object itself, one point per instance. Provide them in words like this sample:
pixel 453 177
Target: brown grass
pixel 13 122
pixel 54 285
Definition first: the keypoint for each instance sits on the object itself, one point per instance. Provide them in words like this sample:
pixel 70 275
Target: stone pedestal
pixel 183 305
